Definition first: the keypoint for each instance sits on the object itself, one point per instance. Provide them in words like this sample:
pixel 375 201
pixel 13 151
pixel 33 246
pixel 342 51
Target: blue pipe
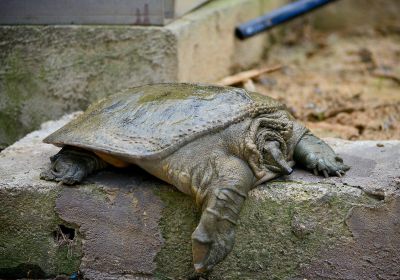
pixel 277 17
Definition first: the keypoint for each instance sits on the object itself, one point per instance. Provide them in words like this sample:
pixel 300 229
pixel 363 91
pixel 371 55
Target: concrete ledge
pixel 125 224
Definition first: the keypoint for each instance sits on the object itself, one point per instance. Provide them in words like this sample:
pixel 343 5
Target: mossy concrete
pixel 46 71
pixel 129 225
pixel 31 244
pixel 283 227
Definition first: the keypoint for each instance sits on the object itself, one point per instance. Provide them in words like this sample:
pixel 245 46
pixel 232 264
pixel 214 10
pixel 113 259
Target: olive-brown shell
pixel 154 120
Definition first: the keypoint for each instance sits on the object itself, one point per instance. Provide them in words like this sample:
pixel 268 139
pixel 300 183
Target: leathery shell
pixel 154 120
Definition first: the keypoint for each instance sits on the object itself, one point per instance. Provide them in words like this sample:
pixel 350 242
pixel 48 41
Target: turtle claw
pixel 64 172
pixel 200 253
pixel 68 167
pixel 211 241
pixel 326 167
pixel 207 254
pixel 47 175
pixel 71 179
pixel 317 156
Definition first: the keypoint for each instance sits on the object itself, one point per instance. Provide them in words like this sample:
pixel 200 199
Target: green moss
pixel 179 219
pixel 66 68
pixel 8 131
pixel 168 92
pixel 267 246
pixel 17 86
pixel 28 237
pixel 268 243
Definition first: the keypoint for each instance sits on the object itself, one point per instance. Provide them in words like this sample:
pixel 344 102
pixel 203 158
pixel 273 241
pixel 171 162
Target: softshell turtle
pixel 213 143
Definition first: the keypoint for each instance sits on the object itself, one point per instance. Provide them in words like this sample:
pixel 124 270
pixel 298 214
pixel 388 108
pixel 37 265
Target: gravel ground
pixel 340 85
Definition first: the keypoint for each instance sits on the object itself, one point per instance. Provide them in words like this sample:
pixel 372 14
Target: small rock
pixel 301 228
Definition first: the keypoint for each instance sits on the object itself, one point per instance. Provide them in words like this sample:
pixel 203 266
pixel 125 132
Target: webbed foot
pixel 214 237
pixel 316 155
pixel 212 240
pixel 71 166
pixel 326 164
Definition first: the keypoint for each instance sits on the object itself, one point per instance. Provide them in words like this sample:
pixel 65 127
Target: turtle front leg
pixel 71 165
pixel 314 154
pixel 214 237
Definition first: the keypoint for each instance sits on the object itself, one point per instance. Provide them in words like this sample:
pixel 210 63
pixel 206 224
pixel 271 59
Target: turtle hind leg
pixel 72 165
pixel 214 237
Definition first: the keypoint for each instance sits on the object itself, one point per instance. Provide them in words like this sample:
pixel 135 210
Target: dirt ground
pixel 339 85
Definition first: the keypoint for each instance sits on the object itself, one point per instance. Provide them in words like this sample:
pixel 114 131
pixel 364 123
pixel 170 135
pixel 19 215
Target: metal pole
pixel 277 17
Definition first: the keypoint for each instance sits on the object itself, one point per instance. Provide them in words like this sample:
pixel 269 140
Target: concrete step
pixel 47 71
pixel 125 224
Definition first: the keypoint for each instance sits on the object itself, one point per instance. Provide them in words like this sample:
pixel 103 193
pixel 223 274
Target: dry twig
pixel 247 75
pixel 249 85
pixel 387 75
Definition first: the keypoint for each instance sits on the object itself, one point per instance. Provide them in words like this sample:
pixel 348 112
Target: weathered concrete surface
pixel 125 224
pixel 207 47
pixel 49 70
pixel 46 71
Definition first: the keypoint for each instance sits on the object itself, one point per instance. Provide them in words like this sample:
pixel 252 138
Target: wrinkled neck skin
pixel 266 143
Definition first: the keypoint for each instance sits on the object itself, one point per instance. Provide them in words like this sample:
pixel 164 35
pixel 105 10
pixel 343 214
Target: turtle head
pixel 267 142
pixel 275 158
